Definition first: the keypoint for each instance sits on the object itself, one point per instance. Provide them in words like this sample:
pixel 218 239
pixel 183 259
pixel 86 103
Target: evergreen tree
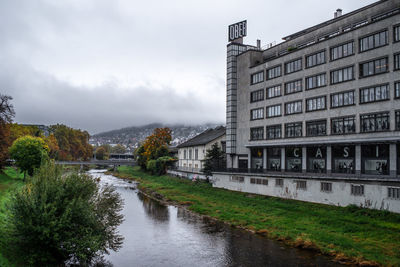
pixel 215 159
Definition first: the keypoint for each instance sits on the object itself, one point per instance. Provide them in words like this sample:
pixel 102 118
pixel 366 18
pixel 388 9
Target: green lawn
pixel 347 234
pixel 10 179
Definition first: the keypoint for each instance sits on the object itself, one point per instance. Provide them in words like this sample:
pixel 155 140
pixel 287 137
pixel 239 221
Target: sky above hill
pixel 105 64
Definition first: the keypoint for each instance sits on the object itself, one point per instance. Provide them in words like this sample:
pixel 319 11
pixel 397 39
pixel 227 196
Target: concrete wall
pixel 375 194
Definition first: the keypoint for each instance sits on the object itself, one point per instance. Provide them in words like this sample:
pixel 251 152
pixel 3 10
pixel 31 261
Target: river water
pixel 159 235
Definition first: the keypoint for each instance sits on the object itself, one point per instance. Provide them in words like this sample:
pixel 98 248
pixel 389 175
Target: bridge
pixel 99 162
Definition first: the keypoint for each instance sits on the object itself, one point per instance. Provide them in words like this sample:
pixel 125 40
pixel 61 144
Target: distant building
pixel 317 117
pixel 43 128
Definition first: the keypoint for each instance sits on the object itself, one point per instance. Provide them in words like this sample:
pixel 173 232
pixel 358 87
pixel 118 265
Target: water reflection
pixel 159 235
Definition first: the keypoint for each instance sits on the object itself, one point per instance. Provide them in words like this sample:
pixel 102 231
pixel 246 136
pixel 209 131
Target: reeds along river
pixel 159 235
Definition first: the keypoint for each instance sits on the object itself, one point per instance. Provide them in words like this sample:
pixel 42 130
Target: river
pixel 160 235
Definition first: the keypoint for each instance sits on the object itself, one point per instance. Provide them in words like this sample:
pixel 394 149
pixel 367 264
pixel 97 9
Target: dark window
pixel 279 182
pixel 373 67
pixel 394 192
pixel 184 154
pixel 294 107
pixel 293 159
pixel 274 91
pixel 257 95
pixel 274 72
pixel 316 81
pixel 258 181
pixel 257 114
pixel 357 190
pixel 376 93
pixel 317 103
pixel 293 66
pixel 196 154
pixel 342 75
pixel 343 125
pixel 343 159
pixel 397 89
pixel 274 111
pixel 398 121
pixel 257 77
pixel 293 87
pixel 315 59
pixel 274 131
pixel 301 185
pixel 257 133
pixel 375 122
pixel 316 159
pixel 397 62
pixel 274 158
pixel 294 129
pixel 256 158
pixel 342 99
pixel 343 50
pixel 373 41
pixel 326 187
pixel 375 159
pixel 396 33
pixel 316 128
pixel 237 179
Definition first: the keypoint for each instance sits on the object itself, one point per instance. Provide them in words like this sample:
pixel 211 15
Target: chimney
pixel 338 13
pixel 259 44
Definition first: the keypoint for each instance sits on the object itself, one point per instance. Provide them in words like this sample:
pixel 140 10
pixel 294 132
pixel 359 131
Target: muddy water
pixel 159 235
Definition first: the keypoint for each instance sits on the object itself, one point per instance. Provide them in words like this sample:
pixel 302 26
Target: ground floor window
pixel 243 163
pixel 316 159
pixel 398 159
pixel 293 159
pixel 274 159
pixel 375 159
pixel 343 159
pixel 256 158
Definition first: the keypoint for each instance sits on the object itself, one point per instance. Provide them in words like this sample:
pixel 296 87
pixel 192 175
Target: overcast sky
pixel 106 64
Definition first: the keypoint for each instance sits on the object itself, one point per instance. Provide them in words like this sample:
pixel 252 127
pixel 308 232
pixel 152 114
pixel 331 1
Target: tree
pixel 18 130
pixel 29 153
pixel 52 143
pixel 215 159
pixel 101 153
pixel 140 158
pixel 119 149
pixel 58 217
pixel 6 115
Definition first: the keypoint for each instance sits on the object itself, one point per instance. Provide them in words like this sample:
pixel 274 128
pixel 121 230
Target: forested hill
pixel 132 136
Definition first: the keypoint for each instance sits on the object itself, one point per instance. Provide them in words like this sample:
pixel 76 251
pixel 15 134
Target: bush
pixel 159 166
pixel 57 218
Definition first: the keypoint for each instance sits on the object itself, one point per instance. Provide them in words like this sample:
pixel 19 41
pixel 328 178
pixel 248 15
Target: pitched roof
pixel 205 137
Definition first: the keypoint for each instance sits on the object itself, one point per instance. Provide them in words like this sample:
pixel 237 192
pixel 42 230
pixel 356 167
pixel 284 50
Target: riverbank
pixel 348 235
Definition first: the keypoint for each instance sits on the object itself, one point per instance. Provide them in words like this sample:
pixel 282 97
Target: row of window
pixel 187 154
pixel 367 95
pixel 366 43
pixel 376 122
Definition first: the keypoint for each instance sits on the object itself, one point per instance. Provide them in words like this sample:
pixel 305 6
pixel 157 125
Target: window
pixel 343 159
pixel 343 50
pixel 279 182
pixel 342 99
pixel 373 41
pixel 257 77
pixel 293 129
pixel 257 95
pixel 357 190
pixel 190 154
pixel 294 159
pixel 315 59
pixel 316 128
pixel 397 89
pixel 316 81
pixel 293 107
pixel 373 67
pixel 274 91
pixel 258 181
pixel 301 185
pixel 343 125
pixel 257 114
pixel 397 120
pixel 376 93
pixel 342 75
pixel 293 66
pixel 237 179
pixel 316 159
pixel 375 122
pixel 317 103
pixel 293 87
pixel 274 72
pixel 274 131
pixel 274 111
pixel 375 159
pixel 196 154
pixel 274 158
pixel 396 33
pixel 396 62
pixel 257 133
pixel 394 192
pixel 184 154
pixel 326 187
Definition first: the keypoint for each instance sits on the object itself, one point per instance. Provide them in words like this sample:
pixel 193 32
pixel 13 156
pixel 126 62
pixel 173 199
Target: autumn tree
pixel 6 115
pixel 29 152
pixel 101 153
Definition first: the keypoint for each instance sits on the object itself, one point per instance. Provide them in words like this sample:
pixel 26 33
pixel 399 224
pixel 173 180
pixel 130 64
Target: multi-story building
pixel 319 113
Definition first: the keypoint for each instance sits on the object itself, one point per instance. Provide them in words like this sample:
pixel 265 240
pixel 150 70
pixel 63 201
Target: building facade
pixel 323 107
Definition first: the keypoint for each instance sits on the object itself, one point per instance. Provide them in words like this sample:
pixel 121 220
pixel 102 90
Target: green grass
pixel 10 179
pixel 348 234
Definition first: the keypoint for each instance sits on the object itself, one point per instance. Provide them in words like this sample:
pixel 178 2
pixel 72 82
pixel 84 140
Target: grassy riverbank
pixel 10 179
pixel 350 234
